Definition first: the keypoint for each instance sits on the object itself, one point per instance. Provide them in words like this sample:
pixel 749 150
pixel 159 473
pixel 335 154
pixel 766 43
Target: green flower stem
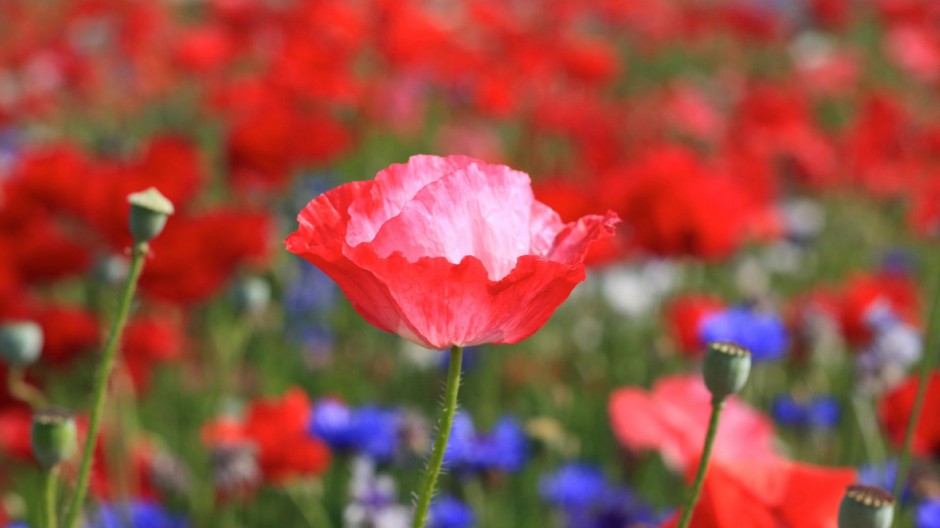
pixel 138 254
pixel 868 426
pixel 23 391
pixel 310 506
pixel 696 490
pixel 51 479
pixel 440 443
pixel 926 366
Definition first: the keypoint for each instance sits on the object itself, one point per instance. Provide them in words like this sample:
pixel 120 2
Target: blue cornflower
pixel 573 486
pixel 763 333
pixel 883 476
pixel 589 501
pixel 505 448
pixel 449 512
pixel 369 430
pixel 822 412
pixel 143 514
pixel 928 514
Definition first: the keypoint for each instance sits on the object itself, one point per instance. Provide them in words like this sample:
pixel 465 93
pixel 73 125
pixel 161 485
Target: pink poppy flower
pixel 447 250
pixel 673 417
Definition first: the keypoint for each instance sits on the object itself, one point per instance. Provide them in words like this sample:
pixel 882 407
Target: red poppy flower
pixel 447 251
pixel 104 483
pixel 220 241
pixel 673 417
pixel 148 341
pixel 669 197
pixel 866 292
pixel 278 429
pixel 895 411
pixel 769 494
pixel 15 425
pixel 685 315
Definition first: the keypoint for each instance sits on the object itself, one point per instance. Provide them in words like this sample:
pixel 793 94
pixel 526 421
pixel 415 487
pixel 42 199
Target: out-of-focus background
pixel 776 164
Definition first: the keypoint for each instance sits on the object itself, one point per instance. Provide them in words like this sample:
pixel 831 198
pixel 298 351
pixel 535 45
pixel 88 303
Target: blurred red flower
pixel 672 419
pixel 278 429
pixel 684 316
pixel 148 341
pixel 15 424
pixel 864 293
pixel 447 251
pixel 675 205
pixel 895 410
pixel 220 241
pixel 769 494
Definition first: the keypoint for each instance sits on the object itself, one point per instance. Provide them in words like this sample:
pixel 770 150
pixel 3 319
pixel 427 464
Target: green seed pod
pixel 20 342
pixel 866 507
pixel 149 211
pixel 53 436
pixel 726 369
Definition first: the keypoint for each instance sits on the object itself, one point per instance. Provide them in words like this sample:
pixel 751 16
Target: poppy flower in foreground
pixel 447 250
pixel 769 494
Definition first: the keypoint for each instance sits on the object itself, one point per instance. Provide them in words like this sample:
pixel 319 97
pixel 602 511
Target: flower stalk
pixel 138 254
pixel 50 485
pixel 21 389
pixel 725 371
pixel 440 443
pixel 926 365
pixel 696 491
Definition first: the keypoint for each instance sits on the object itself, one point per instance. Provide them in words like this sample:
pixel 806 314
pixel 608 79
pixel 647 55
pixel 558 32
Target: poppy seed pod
pixel 726 369
pixel 866 507
pixel 149 211
pixel 53 436
pixel 20 342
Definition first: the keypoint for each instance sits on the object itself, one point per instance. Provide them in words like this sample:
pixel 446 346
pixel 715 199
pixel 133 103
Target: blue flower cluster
pixel 139 513
pixel 928 514
pixel 761 332
pixel 820 413
pixel 588 501
pixel 369 430
pixel 449 512
pixel 504 448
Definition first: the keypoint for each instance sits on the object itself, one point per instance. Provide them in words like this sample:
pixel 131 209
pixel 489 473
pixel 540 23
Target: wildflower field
pixel 470 263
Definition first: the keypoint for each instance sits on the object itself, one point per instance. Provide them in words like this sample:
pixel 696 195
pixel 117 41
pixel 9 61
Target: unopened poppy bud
pixel 149 211
pixel 20 342
pixel 866 507
pixel 53 436
pixel 726 369
pixel 251 295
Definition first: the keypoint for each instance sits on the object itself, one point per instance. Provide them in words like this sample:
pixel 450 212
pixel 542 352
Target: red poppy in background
pixel 864 293
pixel 68 332
pixel 15 424
pixel 684 316
pixel 672 419
pixel 769 494
pixel 104 482
pixel 447 251
pixel 195 256
pixel 148 341
pixel 895 410
pixel 278 429
pixel 675 205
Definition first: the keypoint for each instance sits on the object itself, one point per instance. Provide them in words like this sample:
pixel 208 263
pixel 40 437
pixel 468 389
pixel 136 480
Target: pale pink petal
pixel 479 210
pixel 392 189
